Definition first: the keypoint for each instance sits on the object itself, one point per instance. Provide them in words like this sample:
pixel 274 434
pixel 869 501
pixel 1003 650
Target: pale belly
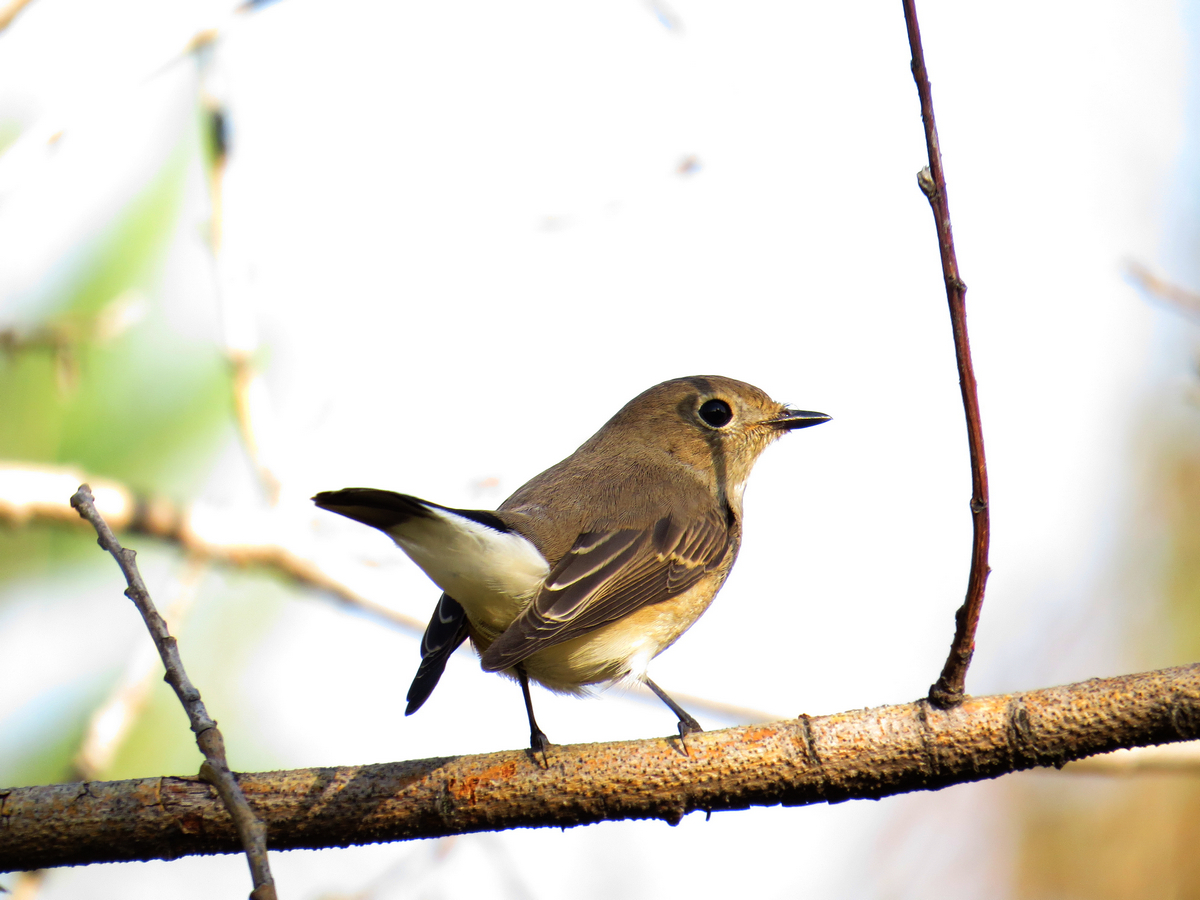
pixel 614 651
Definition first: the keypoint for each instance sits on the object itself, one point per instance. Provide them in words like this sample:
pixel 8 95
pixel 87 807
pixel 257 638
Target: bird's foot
pixel 687 725
pixel 539 743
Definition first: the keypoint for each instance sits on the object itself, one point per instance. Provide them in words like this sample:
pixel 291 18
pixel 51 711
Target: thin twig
pixel 215 770
pixel 247 383
pixel 241 341
pixel 949 690
pixel 63 338
pixel 111 722
pixel 10 10
pixel 1176 298
pixel 55 341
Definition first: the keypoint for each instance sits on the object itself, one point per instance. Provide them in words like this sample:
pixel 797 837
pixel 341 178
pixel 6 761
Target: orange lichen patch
pixel 466 789
pixel 751 735
pixel 499 772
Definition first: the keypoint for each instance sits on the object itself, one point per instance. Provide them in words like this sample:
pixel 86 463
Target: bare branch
pixel 950 687
pixel 239 333
pixel 57 342
pixel 1176 298
pixel 33 493
pixel 111 722
pixel 869 753
pixel 251 832
pixel 10 10
pixel 247 383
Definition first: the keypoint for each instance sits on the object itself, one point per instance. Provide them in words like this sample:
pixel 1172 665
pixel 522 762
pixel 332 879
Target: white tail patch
pixel 493 574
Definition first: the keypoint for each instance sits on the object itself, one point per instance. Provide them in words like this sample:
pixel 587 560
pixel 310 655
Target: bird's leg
pixel 687 725
pixel 538 741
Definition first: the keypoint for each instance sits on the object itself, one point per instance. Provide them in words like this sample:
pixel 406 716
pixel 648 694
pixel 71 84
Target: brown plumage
pixel 601 562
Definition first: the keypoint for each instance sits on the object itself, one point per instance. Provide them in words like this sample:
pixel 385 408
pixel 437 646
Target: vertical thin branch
pixel 215 770
pixel 240 339
pixel 113 719
pixel 949 691
pixel 111 722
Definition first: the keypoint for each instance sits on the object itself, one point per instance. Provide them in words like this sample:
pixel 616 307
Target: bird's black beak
pixel 791 419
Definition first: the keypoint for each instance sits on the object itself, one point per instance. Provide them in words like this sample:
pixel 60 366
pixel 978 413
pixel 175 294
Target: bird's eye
pixel 715 413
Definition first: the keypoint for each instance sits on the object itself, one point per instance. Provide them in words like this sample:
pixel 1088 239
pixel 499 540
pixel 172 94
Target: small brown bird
pixel 601 562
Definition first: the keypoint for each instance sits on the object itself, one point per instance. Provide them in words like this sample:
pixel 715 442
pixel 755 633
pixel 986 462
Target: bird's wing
pixel 447 630
pixel 608 575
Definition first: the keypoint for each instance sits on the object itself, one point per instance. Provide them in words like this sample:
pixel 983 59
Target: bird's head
pixel 713 425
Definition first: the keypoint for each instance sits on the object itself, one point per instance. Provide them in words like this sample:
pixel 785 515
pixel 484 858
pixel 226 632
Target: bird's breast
pixel 625 647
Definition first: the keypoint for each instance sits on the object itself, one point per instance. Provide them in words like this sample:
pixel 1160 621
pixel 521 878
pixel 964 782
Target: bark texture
pixel 868 753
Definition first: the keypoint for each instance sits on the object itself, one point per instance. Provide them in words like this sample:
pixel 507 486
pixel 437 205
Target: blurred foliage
pixel 121 384
pixel 135 400
pixel 1104 838
pixel 10 130
pixel 1108 839
pixel 1180 498
pixel 139 402
pixel 50 730
pixel 38 551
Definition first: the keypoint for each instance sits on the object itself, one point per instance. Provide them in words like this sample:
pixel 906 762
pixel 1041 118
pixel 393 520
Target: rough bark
pixel 859 754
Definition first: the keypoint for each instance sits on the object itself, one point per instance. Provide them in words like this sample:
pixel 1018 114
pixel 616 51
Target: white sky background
pixel 460 235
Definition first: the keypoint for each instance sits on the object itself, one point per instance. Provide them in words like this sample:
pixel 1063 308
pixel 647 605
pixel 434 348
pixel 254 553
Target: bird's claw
pixel 539 743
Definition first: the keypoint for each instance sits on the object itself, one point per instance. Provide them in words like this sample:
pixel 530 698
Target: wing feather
pixel 607 575
pixel 597 556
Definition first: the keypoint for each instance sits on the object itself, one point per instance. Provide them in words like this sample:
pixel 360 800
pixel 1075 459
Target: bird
pixel 597 565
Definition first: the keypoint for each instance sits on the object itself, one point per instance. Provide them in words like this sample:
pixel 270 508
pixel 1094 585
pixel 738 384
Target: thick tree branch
pixel 251 834
pixel 950 687
pixel 860 754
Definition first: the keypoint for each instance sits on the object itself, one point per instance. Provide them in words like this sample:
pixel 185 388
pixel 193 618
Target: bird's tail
pixel 446 632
